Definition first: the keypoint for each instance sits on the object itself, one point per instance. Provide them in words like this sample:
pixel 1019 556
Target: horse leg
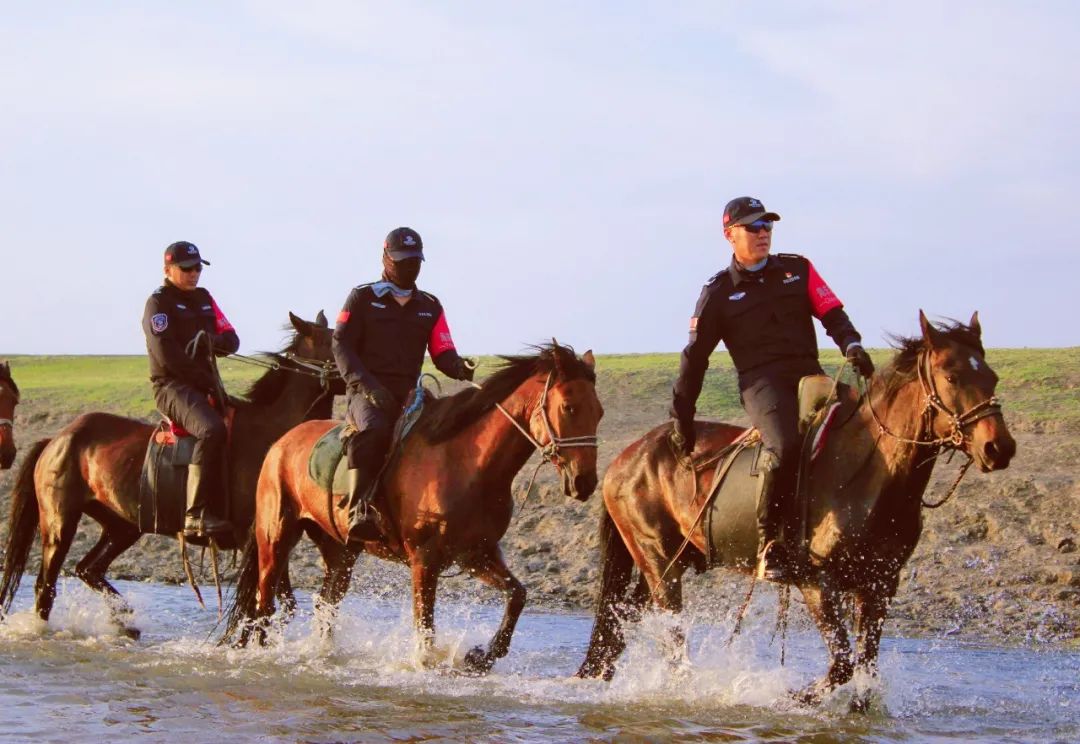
pixel 667 596
pixel 115 539
pixel 338 560
pixel 57 532
pixel 425 579
pixel 823 603
pixel 871 608
pixel 274 545
pixel 491 569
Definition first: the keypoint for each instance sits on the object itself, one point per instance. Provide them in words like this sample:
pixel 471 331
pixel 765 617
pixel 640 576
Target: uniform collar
pixel 383 288
pixel 739 274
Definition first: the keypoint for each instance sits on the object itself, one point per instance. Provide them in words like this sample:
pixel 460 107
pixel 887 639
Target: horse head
pixel 312 344
pixel 9 398
pixel 566 417
pixel 960 385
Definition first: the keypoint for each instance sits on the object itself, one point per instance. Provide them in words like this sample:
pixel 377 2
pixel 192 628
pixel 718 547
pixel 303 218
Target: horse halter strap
pixel 956 437
pixel 550 451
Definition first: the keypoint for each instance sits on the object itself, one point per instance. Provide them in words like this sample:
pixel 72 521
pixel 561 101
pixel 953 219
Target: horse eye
pixel 570 410
pixel 951 379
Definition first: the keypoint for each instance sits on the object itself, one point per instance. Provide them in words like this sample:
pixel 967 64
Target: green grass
pixel 1040 387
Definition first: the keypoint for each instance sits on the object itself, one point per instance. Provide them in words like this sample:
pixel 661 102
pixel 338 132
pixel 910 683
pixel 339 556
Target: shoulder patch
pixel 159 322
pixel 716 277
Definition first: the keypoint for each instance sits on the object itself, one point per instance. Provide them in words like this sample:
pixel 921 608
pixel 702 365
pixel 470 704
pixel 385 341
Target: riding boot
pixel 774 563
pixel 362 521
pixel 198 521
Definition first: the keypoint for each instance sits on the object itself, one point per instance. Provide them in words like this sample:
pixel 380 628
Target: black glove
pixel 466 369
pixel 381 398
pixel 860 360
pixel 683 436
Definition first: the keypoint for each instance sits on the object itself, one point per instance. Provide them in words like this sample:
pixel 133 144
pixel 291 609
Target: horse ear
pixel 929 333
pixel 974 325
pixel 589 359
pixel 320 320
pixel 302 326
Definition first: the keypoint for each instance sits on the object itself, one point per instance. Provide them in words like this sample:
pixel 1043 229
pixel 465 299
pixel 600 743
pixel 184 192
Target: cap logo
pixel 409 240
pixel 754 203
pixel 192 249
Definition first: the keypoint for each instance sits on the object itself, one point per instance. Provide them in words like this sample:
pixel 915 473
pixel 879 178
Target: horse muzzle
pixel 995 450
pixel 7 457
pixel 579 486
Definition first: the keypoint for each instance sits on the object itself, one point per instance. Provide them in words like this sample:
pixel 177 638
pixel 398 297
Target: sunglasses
pixel 197 268
pixel 758 226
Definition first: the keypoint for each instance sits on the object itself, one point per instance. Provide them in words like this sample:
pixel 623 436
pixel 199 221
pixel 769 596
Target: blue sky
pixel 566 163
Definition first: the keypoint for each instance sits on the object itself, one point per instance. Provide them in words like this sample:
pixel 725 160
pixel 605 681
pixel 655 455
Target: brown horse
pixel 864 510
pixel 93 467
pixel 445 498
pixel 9 398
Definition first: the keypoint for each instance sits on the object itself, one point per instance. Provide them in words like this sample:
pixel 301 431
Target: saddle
pixel 163 484
pixel 731 502
pixel 326 463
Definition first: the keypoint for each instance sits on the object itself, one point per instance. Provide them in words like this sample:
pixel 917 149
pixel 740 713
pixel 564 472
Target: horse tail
pixel 22 526
pixel 242 603
pixel 607 640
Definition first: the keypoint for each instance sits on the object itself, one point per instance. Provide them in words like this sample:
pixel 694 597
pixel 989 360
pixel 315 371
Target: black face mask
pixel 403 273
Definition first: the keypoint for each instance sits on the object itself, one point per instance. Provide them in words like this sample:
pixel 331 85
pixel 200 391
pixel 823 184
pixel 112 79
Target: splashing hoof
pixel 477 661
pixel 861 703
pixel 811 695
pixel 130 631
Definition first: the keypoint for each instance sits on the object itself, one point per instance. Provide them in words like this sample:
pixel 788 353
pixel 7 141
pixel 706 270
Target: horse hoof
pixel 131 632
pixel 809 696
pixel 477 661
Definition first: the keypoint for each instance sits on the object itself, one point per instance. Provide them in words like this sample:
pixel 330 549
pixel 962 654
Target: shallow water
pixel 77 679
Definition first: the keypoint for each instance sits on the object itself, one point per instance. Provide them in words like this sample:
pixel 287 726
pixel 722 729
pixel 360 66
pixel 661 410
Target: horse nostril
pixel 990 450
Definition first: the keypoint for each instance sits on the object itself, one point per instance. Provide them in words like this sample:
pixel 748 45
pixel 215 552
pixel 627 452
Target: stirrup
pixel 779 570
pixel 205 525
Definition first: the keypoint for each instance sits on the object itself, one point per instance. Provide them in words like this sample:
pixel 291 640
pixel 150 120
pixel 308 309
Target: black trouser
pixel 367 449
pixel 192 410
pixel 772 402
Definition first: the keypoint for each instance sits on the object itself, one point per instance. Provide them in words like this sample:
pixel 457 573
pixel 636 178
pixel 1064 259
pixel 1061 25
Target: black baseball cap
pixel 183 254
pixel 403 242
pixel 746 209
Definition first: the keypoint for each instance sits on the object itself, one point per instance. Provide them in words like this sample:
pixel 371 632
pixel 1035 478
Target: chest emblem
pixel 788 278
pixel 423 315
pixel 737 296
pixel 159 322
pixel 378 305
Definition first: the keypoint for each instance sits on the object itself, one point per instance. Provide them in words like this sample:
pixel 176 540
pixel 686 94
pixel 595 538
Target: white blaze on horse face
pixel 974 363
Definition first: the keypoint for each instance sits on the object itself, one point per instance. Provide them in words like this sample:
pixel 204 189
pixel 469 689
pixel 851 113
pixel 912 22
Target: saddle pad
pixel 730 522
pixel 163 485
pixel 327 465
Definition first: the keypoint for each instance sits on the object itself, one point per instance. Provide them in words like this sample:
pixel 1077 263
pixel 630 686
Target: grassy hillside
pixel 1040 387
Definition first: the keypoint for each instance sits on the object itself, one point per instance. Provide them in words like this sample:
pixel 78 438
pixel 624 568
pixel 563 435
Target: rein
pixel 956 437
pixel 549 452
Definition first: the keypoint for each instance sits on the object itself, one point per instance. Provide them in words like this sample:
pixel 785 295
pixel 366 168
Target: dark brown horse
pixel 865 500
pixel 9 398
pixel 446 497
pixel 93 467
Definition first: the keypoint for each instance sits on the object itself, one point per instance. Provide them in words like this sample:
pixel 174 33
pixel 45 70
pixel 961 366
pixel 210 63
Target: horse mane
pixel 447 417
pixel 904 366
pixel 268 387
pixel 5 375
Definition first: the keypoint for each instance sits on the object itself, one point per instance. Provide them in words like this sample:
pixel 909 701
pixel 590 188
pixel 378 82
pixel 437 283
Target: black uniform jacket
pixel 379 343
pixel 172 318
pixel 765 319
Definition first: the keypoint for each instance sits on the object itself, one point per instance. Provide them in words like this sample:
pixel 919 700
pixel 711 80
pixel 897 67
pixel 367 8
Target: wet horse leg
pixel 274 546
pixel 871 608
pixel 491 569
pixel 115 539
pixel 823 603
pixel 425 579
pixel 339 560
pixel 666 594
pixel 57 532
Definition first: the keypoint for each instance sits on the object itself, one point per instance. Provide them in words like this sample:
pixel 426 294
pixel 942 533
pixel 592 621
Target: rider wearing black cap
pixel 183 324
pixel 379 342
pixel 762 307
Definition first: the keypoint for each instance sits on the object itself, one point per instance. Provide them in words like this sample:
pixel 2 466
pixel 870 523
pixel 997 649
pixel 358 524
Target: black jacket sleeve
pixel 168 350
pixel 452 365
pixel 225 341
pixel 840 329
pixel 348 335
pixel 705 334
